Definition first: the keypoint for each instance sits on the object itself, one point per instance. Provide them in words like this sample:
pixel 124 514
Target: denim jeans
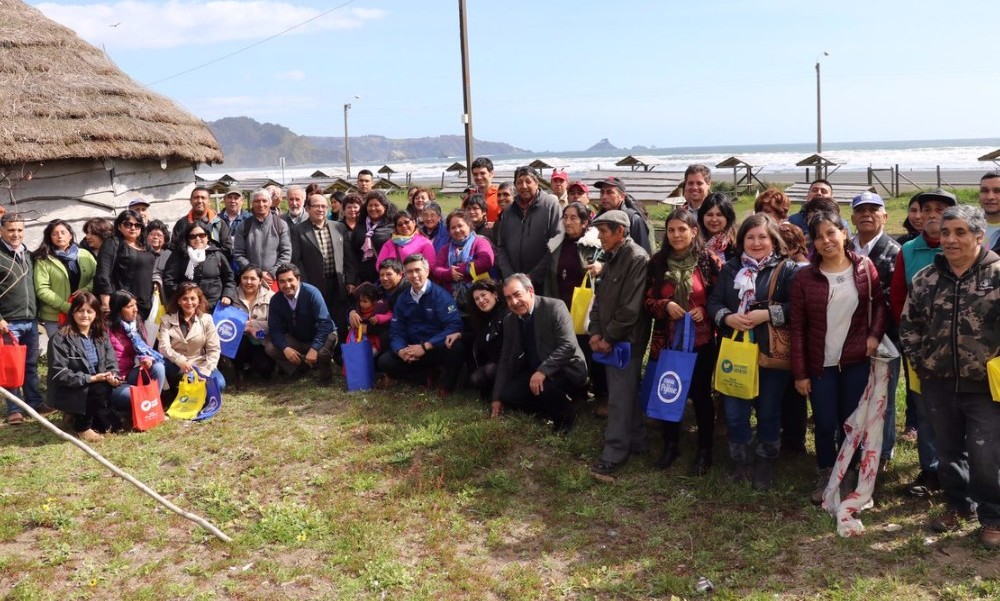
pixel 967 427
pixel 926 445
pixel 121 397
pixel 25 331
pixel 834 397
pixel 772 385
pixel 889 428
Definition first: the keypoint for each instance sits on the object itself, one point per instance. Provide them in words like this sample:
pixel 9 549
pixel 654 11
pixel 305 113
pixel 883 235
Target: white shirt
pixel 295 299
pixel 417 294
pixel 840 306
pixel 867 248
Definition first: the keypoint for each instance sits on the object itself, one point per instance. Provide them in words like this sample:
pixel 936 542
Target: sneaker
pixel 990 536
pixel 15 419
pixel 925 485
pixel 822 479
pixel 951 520
pixel 606 471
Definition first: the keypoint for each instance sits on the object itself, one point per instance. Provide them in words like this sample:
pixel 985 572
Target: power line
pixel 249 46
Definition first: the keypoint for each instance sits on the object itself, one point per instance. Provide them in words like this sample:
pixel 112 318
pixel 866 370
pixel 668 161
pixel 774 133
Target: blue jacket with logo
pixel 430 320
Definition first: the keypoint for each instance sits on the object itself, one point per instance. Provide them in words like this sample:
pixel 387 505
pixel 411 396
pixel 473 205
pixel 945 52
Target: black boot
pixel 671 452
pixel 763 474
pixel 740 455
pixel 702 462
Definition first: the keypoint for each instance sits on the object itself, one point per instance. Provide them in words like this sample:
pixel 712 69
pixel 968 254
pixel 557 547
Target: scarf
pixel 141 348
pixel 746 279
pixel 680 273
pixel 718 244
pixel 402 241
pixel 196 256
pixel 367 250
pixel 460 251
pixel 70 257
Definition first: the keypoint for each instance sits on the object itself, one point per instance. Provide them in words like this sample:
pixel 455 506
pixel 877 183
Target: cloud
pixel 293 75
pixel 143 24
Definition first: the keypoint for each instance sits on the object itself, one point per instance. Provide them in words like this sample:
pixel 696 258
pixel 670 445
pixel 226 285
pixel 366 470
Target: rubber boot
pixel 763 474
pixel 671 451
pixel 741 458
pixel 702 462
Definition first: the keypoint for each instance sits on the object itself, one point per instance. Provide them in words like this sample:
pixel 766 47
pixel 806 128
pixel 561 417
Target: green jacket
pixel 52 283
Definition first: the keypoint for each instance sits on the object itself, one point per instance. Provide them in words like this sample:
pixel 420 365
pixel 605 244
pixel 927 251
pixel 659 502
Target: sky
pixel 559 74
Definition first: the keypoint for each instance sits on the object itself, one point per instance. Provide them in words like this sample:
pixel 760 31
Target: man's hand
pixel 292 356
pixel 268 280
pixel 451 338
pixel 226 301
pixel 537 383
pixel 4 328
pixel 872 345
pixel 311 356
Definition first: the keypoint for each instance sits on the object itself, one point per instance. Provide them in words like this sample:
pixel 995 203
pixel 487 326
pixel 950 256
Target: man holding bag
pixel 617 317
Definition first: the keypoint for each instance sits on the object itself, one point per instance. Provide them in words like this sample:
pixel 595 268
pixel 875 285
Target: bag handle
pixel 774 281
pixel 13 340
pixel 868 276
pixel 144 373
pixel 586 280
pixel 686 343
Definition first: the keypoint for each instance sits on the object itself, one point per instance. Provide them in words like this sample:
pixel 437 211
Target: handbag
pixel 229 323
pixel 580 305
pixel 192 393
pixel 736 372
pixel 147 411
pixel 620 355
pixel 213 398
pixel 670 384
pixel 13 358
pixel 887 351
pixel 359 361
pixel 780 342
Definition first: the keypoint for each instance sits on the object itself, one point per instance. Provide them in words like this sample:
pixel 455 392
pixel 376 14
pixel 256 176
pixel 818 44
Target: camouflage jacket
pixel 950 326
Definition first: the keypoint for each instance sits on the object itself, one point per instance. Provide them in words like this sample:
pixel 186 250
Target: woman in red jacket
pixel 839 317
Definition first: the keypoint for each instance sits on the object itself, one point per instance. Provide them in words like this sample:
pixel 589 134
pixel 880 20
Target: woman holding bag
pixel 681 276
pixel 61 269
pixel 253 298
pixel 840 316
pixel 188 338
pixel 456 260
pixel 128 337
pixel 752 294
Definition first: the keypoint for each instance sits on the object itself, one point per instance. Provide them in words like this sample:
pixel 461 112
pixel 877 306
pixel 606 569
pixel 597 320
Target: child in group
pixel 374 314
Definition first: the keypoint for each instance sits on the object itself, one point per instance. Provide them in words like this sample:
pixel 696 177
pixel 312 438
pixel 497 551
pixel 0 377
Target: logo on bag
pixel 727 366
pixel 148 405
pixel 669 388
pixel 227 330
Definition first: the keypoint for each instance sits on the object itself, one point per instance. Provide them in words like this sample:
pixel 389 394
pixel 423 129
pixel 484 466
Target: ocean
pixel 776 159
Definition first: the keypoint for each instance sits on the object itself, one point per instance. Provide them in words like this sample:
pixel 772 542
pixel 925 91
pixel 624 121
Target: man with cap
pixel 914 256
pixel 617 318
pixel 482 176
pixel 578 192
pixel 530 231
pixel 989 201
pixel 613 198
pixel 140 206
pixel 869 217
pixel 233 213
pixel 559 183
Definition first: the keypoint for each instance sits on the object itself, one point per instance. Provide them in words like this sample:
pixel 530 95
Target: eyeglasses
pixel 197 236
pixel 132 225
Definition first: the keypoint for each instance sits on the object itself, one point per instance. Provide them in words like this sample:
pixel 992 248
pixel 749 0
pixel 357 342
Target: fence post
pixel 937 168
pixel 870 175
pixel 895 181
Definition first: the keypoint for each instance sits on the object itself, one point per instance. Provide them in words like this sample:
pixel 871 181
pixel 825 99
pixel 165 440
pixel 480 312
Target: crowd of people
pixel 490 295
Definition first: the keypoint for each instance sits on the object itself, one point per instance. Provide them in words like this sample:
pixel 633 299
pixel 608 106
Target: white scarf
pixel 196 256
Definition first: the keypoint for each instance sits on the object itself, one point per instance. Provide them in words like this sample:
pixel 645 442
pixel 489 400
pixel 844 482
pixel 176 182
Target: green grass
pixel 400 495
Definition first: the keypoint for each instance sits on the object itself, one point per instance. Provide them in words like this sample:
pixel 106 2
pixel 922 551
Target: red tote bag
pixel 147 411
pixel 13 357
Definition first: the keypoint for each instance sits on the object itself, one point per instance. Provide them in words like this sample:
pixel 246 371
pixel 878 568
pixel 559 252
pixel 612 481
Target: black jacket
pixel 69 371
pixel 214 276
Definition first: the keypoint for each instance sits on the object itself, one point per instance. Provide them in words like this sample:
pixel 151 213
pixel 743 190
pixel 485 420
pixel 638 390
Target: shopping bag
pixel 192 392
pixel 621 353
pixel 229 323
pixel 213 398
pixel 579 308
pixel 156 313
pixel 670 383
pixel 147 411
pixel 359 361
pixel 736 372
pixel 993 373
pixel 13 358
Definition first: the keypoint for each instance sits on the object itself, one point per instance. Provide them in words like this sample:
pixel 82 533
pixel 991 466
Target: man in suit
pixel 301 333
pixel 541 364
pixel 321 250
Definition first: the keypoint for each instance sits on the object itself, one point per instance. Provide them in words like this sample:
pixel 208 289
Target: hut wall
pixel 76 190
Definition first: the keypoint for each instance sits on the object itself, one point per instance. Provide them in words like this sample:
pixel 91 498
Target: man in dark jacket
pixel 541 363
pixel 531 226
pixel 300 330
pixel 613 199
pixel 617 318
pixel 263 240
pixel 17 309
pixel 218 231
pixel 423 317
pixel 951 330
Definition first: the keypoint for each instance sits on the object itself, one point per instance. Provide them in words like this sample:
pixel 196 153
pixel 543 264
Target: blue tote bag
pixel 359 362
pixel 668 387
pixel 229 323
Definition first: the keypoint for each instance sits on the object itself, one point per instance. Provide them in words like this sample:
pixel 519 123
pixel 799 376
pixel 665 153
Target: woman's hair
pixel 99 226
pixel 433 206
pixel 182 289
pixel 819 218
pixel 794 239
pixel 119 300
pixel 85 299
pixel 476 199
pixel 774 202
pixel 761 220
pixel 458 214
pixel 658 262
pixel 915 199
pixel 46 248
pixel 253 268
pixel 582 211
pixel 125 216
pixel 367 291
pixel 725 206
pixel 379 197
pixel 821 204
pixel 428 191
pixel 158 225
pixel 489 285
pixel 353 198
pixel 196 224
pixel 313 188
pixel 404 214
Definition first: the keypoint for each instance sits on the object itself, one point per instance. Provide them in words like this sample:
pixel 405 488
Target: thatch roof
pixel 62 98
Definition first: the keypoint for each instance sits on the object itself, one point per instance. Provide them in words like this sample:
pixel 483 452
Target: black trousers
pixel 483 378
pixel 701 398
pixel 253 357
pixel 553 402
pixel 449 359
pixel 99 415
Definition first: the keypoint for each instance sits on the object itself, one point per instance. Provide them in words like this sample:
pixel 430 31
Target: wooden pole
pixel 466 89
pixel 117 471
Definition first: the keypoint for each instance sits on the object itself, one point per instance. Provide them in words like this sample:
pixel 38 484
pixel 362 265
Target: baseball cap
pixel 939 195
pixel 610 181
pixel 136 202
pixel 612 217
pixel 233 190
pixel 867 198
pixel 584 188
pixel 559 174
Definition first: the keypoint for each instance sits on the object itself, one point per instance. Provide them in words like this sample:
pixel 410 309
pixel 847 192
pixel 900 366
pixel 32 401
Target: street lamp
pixel 819 110
pixel 347 139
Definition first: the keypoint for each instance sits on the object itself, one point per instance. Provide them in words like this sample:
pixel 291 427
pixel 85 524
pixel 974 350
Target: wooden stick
pixel 118 471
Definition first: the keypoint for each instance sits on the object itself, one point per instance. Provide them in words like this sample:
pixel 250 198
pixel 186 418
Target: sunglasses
pixel 132 225
pixel 197 236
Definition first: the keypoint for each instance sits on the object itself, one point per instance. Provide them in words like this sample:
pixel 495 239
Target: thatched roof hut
pixel 62 98
pixel 79 137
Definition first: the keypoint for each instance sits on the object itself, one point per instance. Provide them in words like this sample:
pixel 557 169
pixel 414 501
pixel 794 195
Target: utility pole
pixel 466 90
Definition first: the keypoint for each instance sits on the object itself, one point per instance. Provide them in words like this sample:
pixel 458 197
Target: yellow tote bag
pixel 993 372
pixel 191 396
pixel 914 379
pixel 579 308
pixel 736 372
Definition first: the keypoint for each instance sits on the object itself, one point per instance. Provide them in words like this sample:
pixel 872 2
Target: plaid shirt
pixel 326 247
